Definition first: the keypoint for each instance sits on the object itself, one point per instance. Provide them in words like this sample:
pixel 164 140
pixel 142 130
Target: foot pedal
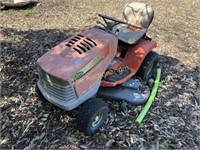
pixel 113 75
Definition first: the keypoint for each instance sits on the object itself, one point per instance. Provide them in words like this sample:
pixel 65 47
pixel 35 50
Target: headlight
pixel 51 79
pixel 47 77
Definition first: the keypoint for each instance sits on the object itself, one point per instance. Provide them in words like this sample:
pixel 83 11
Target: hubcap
pixel 97 119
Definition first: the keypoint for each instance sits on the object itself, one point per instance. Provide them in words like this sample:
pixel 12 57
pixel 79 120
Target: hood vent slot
pixel 77 50
pixel 83 44
pixel 92 41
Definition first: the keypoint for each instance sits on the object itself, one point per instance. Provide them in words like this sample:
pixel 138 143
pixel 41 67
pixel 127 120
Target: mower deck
pixel 132 91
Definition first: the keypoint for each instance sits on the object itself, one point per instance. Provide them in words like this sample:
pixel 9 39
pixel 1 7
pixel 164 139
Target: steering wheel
pixel 117 21
pixel 108 25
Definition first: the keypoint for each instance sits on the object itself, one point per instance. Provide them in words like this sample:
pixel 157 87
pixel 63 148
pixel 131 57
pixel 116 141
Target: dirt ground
pixel 27 122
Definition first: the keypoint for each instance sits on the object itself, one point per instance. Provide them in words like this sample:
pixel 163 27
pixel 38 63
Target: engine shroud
pixel 80 57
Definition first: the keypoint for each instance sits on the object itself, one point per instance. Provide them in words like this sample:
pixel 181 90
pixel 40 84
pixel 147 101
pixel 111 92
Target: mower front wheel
pixel 92 115
pixel 123 106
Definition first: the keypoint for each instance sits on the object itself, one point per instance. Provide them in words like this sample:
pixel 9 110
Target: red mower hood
pixel 65 60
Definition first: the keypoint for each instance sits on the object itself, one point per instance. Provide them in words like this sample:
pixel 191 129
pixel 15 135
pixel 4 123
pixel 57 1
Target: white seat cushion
pixel 138 14
pixel 15 3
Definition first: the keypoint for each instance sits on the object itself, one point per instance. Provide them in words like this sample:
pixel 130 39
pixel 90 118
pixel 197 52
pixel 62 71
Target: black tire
pixel 87 120
pixel 148 67
pixel 123 106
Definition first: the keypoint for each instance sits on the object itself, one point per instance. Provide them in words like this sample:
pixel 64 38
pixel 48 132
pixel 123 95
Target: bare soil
pixel 27 122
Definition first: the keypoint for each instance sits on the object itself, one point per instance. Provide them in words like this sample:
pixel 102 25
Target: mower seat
pixel 138 14
pixel 127 35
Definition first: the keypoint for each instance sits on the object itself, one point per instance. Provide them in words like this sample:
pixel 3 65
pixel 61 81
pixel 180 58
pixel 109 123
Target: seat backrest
pixel 138 14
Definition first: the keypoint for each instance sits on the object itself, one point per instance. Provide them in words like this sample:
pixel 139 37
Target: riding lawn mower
pixel 112 61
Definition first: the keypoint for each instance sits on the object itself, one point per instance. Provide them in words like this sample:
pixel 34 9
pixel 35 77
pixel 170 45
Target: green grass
pixel 6 12
pixel 26 12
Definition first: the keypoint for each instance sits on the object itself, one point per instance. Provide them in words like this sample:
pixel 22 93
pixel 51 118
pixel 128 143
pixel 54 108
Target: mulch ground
pixel 28 122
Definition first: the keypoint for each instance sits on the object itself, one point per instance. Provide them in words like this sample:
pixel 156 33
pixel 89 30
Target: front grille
pixel 64 93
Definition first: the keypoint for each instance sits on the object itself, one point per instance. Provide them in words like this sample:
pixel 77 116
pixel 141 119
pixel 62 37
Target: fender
pixel 133 59
pixel 136 54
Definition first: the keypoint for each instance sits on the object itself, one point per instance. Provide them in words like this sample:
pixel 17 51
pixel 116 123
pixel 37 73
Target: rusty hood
pixel 78 53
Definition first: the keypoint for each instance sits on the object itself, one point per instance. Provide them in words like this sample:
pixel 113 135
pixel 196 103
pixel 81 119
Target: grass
pixel 27 12
pixel 6 12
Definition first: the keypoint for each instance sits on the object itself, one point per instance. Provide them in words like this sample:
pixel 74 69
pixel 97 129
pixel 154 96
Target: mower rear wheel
pixel 148 67
pixel 92 115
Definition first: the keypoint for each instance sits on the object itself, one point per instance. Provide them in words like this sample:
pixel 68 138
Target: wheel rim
pixel 97 119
